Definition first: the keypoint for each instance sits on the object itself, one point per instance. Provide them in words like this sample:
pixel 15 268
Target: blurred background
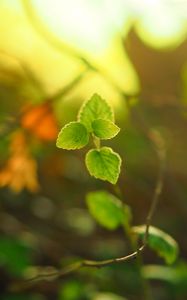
pixel 53 56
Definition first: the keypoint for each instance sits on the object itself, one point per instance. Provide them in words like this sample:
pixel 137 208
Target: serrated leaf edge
pixel 85 103
pixel 118 129
pixel 65 126
pixel 111 151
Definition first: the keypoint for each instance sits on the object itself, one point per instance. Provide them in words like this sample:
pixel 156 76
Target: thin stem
pixel 156 139
pixel 85 263
pixel 97 142
pixel 117 190
pixel 160 149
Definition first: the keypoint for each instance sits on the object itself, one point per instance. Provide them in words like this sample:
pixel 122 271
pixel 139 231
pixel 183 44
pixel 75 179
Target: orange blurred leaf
pixel 40 120
pixel 21 169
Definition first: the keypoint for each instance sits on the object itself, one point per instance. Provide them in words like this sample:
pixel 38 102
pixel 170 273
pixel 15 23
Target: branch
pixel 154 136
pixel 159 146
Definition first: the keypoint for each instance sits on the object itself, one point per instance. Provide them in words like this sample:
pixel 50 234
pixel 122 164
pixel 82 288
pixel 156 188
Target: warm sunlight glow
pixel 162 23
pixel 90 25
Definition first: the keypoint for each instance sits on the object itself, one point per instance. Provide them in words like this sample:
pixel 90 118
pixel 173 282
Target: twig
pixel 155 138
pixel 50 276
pixel 160 149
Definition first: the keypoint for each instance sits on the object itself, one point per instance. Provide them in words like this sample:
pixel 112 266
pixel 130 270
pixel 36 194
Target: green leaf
pixel 93 109
pixel 108 296
pixel 160 241
pixel 72 136
pixel 14 255
pixel 72 290
pixel 108 210
pixel 175 275
pixel 104 164
pixel 104 129
pixel 163 273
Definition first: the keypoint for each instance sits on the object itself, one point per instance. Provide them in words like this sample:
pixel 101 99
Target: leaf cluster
pixel 95 119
